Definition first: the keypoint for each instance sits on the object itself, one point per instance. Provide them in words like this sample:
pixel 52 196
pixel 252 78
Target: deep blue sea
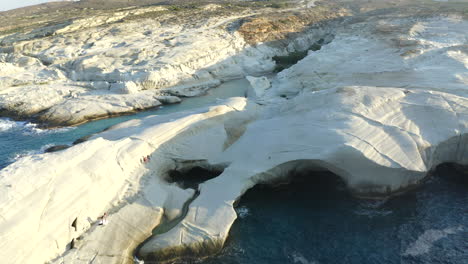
pixel 313 219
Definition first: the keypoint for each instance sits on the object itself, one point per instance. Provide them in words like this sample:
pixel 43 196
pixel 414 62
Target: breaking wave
pixel 6 124
pixel 27 128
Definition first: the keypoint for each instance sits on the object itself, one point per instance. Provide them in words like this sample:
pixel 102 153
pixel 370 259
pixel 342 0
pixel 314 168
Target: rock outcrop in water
pixel 380 105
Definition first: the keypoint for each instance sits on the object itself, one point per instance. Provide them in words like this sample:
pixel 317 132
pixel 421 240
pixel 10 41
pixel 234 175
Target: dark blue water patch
pixel 315 220
pixel 22 138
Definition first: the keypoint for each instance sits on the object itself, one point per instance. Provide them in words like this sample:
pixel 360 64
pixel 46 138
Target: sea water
pixel 20 138
pixel 315 220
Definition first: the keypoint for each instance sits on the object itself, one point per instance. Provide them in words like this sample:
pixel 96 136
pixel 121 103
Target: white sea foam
pixel 7 124
pixel 243 212
pixel 425 241
pixel 299 258
pixel 32 129
pixel 27 128
pixel 138 261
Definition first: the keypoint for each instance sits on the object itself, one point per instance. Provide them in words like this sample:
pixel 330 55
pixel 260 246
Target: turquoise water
pixel 23 138
pixel 315 220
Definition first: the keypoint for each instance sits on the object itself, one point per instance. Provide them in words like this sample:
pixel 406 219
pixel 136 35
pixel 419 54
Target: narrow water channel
pixel 23 138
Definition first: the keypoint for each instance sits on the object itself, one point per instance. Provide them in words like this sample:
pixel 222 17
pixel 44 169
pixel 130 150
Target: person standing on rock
pixel 103 220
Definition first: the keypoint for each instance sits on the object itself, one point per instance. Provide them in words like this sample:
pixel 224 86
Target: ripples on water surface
pixel 314 220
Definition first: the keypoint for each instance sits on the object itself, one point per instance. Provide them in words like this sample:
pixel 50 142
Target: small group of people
pixel 146 159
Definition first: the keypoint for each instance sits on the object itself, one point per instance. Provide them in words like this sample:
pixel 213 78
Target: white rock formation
pixel 378 139
pixel 128 58
pixel 124 87
pixel 379 106
pixel 387 52
pixel 70 189
pixel 259 85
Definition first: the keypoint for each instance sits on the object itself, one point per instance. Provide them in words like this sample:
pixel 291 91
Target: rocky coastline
pixel 380 102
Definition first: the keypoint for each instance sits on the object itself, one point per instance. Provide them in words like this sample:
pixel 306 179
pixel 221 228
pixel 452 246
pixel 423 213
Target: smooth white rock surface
pixel 259 85
pixel 129 58
pixel 380 106
pixel 102 174
pixel 379 140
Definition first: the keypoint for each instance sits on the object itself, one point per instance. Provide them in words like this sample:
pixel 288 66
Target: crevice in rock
pixel 284 62
pixel 71 245
pixel 75 224
pixel 57 148
pixel 186 174
pixel 82 139
pixel 164 227
pixel 192 177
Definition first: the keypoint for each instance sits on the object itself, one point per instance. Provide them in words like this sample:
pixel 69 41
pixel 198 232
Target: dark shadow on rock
pixel 57 148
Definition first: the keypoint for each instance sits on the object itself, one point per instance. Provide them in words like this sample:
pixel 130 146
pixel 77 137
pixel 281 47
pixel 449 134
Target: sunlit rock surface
pixel 380 104
pixel 113 58
pixel 47 201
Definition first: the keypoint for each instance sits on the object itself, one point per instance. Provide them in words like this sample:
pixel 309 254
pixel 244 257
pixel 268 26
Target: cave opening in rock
pixel 193 177
pixel 311 217
pixel 314 182
pixel 452 172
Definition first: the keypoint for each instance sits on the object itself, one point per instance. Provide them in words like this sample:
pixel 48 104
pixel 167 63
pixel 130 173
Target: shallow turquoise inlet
pixel 23 138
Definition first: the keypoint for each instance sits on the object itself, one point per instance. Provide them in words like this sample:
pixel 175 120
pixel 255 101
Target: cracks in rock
pixel 389 159
pixel 460 128
pixel 95 256
pixel 166 226
pixel 187 174
pixel 386 126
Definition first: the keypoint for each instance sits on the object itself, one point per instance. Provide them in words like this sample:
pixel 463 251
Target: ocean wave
pixel 7 124
pixel 242 212
pixel 32 129
pixel 27 128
